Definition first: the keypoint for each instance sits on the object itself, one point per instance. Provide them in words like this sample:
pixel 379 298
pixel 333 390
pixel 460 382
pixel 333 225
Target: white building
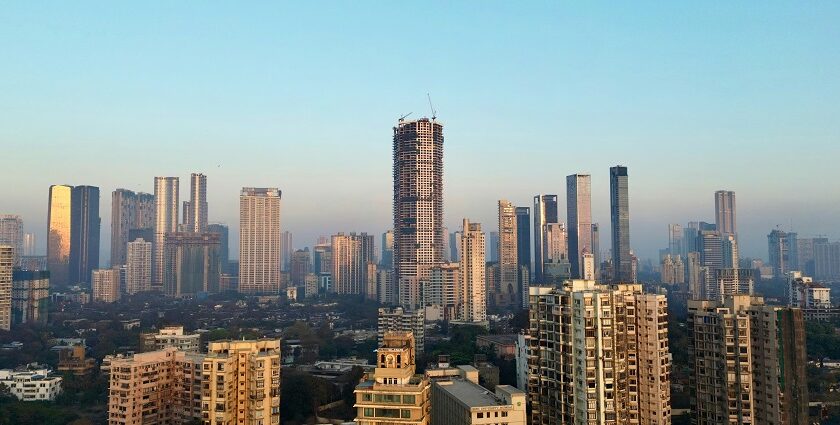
pixel 259 240
pixel 399 320
pixel 31 385
pixel 813 298
pixel 106 285
pixel 138 275
pixel 472 288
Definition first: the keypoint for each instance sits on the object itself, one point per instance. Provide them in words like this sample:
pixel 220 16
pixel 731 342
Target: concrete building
pixel 473 293
pixel 443 294
pixel 155 388
pixel 620 225
pixel 166 221
pixel 7 261
pixel 545 212
pixel 556 244
pixel 192 264
pixel 598 354
pixel 195 210
pixel 672 270
pixel 138 274
pixel 73 359
pixel 387 259
pixel 781 247
pixel 350 256
pixel 171 336
pixel 224 237
pixel 399 320
pixel 814 299
pixel 748 362
pixel 509 294
pixel 310 285
pixel 30 296
pixel 694 275
pixel 11 234
pixel 129 211
pixel 418 204
pixel 58 234
pixel 721 283
pixel 676 240
pixel 579 216
pixel 38 384
pixel 460 401
pixel 523 247
pixel 286 250
pixel 393 394
pixel 259 241
pixel 243 378
pixel 386 289
pixel 301 265
pixel 725 212
pixel 84 234
pixel 106 285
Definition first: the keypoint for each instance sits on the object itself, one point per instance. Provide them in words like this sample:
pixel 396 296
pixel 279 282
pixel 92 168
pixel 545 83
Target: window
pixel 408 399
pixel 369 411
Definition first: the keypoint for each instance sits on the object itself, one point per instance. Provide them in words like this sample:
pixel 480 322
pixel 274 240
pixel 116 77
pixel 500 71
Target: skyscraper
pixel 556 243
pixel 725 212
pixel 781 247
pixel 11 234
pixel 259 240
pixel 84 233
pixel 129 211
pixel 7 261
pixel 418 201
pixel 387 260
pixel 579 214
pixel 598 354
pixel 223 232
pixel 166 221
pixel 545 211
pixel 105 285
pixel 493 247
pixel 286 250
pixel 620 221
pixel 509 293
pixel 523 239
pixel 473 295
pixel 596 248
pixel 191 263
pixel 675 240
pixel 198 203
pixel 138 274
pixel 350 256
pixel 58 238
pixel 300 267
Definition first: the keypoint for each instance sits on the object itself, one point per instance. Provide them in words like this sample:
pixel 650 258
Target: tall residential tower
pixel 166 221
pixel 620 221
pixel 579 215
pixel 259 240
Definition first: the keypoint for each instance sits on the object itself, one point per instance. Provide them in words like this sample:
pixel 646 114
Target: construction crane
pixel 434 113
pixel 402 118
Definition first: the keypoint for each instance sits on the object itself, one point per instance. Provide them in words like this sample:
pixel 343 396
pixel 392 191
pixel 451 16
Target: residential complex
pixel 259 240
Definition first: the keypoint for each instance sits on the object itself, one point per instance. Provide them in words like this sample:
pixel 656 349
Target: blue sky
pixel 302 96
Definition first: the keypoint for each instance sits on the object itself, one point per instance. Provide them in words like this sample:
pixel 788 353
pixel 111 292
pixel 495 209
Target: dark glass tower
pixel 545 212
pixel 84 234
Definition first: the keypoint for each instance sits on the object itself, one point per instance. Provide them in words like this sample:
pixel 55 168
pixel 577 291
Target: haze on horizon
pixel 691 97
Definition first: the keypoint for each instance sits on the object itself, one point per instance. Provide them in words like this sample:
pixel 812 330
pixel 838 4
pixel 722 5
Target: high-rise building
pixel 781 248
pixel 105 285
pixel 171 336
pixel 710 246
pixel 322 259
pixel 196 211
pixel 386 290
pixel 224 234
pixel 545 211
pixel 676 240
pixel 387 260
pixel 350 256
pixel 725 212
pixel 447 250
pixel 129 211
pixel 393 393
pixel 259 240
pixel 84 234
pixel 523 240
pixel 753 375
pixel 398 319
pixel 30 296
pixel 58 238
pixel 29 244
pixel 455 246
pixel 192 264
pixel 826 259
pixel 672 270
pixel 556 246
pixel 579 213
pixel 11 234
pixel 158 387
pixel 596 248
pixel 814 299
pixel 805 253
pixel 7 262
pixel 493 247
pixel 620 221
pixel 598 354
pixel 243 381
pixel 724 282
pixel 138 276
pixel 509 294
pixel 473 292
pixel 301 265
pixel 729 251
pixel 418 202
pixel 443 295
pixel 694 275
pixel 286 250
pixel 166 221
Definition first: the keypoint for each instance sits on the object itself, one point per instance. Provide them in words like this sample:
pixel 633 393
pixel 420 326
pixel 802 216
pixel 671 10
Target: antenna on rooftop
pixel 434 113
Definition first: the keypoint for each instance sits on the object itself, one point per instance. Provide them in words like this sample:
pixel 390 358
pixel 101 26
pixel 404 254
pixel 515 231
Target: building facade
pixel 259 241
pixel 509 293
pixel 138 276
pixel 579 215
pixel 7 262
pixel 350 256
pixel 620 223
pixel 725 212
pixel 545 212
pixel 30 296
pixel 84 234
pixel 398 319
pixel 166 221
pixel 58 234
pixel 129 211
pixel 192 264
pixel 106 285
pixel 472 288
pixel 11 234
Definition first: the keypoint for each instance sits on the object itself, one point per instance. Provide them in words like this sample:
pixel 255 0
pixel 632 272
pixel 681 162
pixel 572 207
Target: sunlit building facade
pixel 166 221
pixel 58 238
pixel 259 241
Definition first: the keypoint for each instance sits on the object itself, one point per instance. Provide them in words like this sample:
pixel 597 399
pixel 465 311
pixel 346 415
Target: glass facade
pixel 58 238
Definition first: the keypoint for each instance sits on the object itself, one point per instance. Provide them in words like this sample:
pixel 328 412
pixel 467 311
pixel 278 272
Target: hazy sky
pixel 692 97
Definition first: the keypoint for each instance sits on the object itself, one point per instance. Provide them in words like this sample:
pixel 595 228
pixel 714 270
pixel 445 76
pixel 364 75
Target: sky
pixel 692 97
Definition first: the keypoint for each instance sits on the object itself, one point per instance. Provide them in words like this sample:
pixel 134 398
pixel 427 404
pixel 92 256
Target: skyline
pixel 547 91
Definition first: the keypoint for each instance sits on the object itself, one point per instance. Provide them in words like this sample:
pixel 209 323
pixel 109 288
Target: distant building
pixel 721 283
pixel 129 211
pixel 259 241
pixel 460 401
pixel 579 216
pixel 286 250
pixel 672 270
pixel 310 285
pixel 725 212
pixel 11 234
pixel 224 245
pixel 350 256
pixel 138 274
pixel 301 265
pixel 472 288
pixel 812 298
pixel 523 246
pixel 166 221
pixel 58 234
pixel 171 336
pixel 106 285
pixel 7 261
pixel 443 295
pixel 492 253
pixel 393 393
pixel 73 359
pixel 694 275
pixel 387 259
pixel 37 384
pixel 620 222
pixel 781 248
pixel 509 294
pixel 30 297
pixel 399 320
pixel 196 208
pixel 545 212
pixel 676 240
pixel 192 264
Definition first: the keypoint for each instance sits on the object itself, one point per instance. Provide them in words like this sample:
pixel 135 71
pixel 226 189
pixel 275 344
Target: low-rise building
pixel 30 296
pixel 460 401
pixel 32 383
pixel 171 336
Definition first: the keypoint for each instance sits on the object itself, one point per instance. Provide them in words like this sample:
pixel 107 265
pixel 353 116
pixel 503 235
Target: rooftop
pixel 470 394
